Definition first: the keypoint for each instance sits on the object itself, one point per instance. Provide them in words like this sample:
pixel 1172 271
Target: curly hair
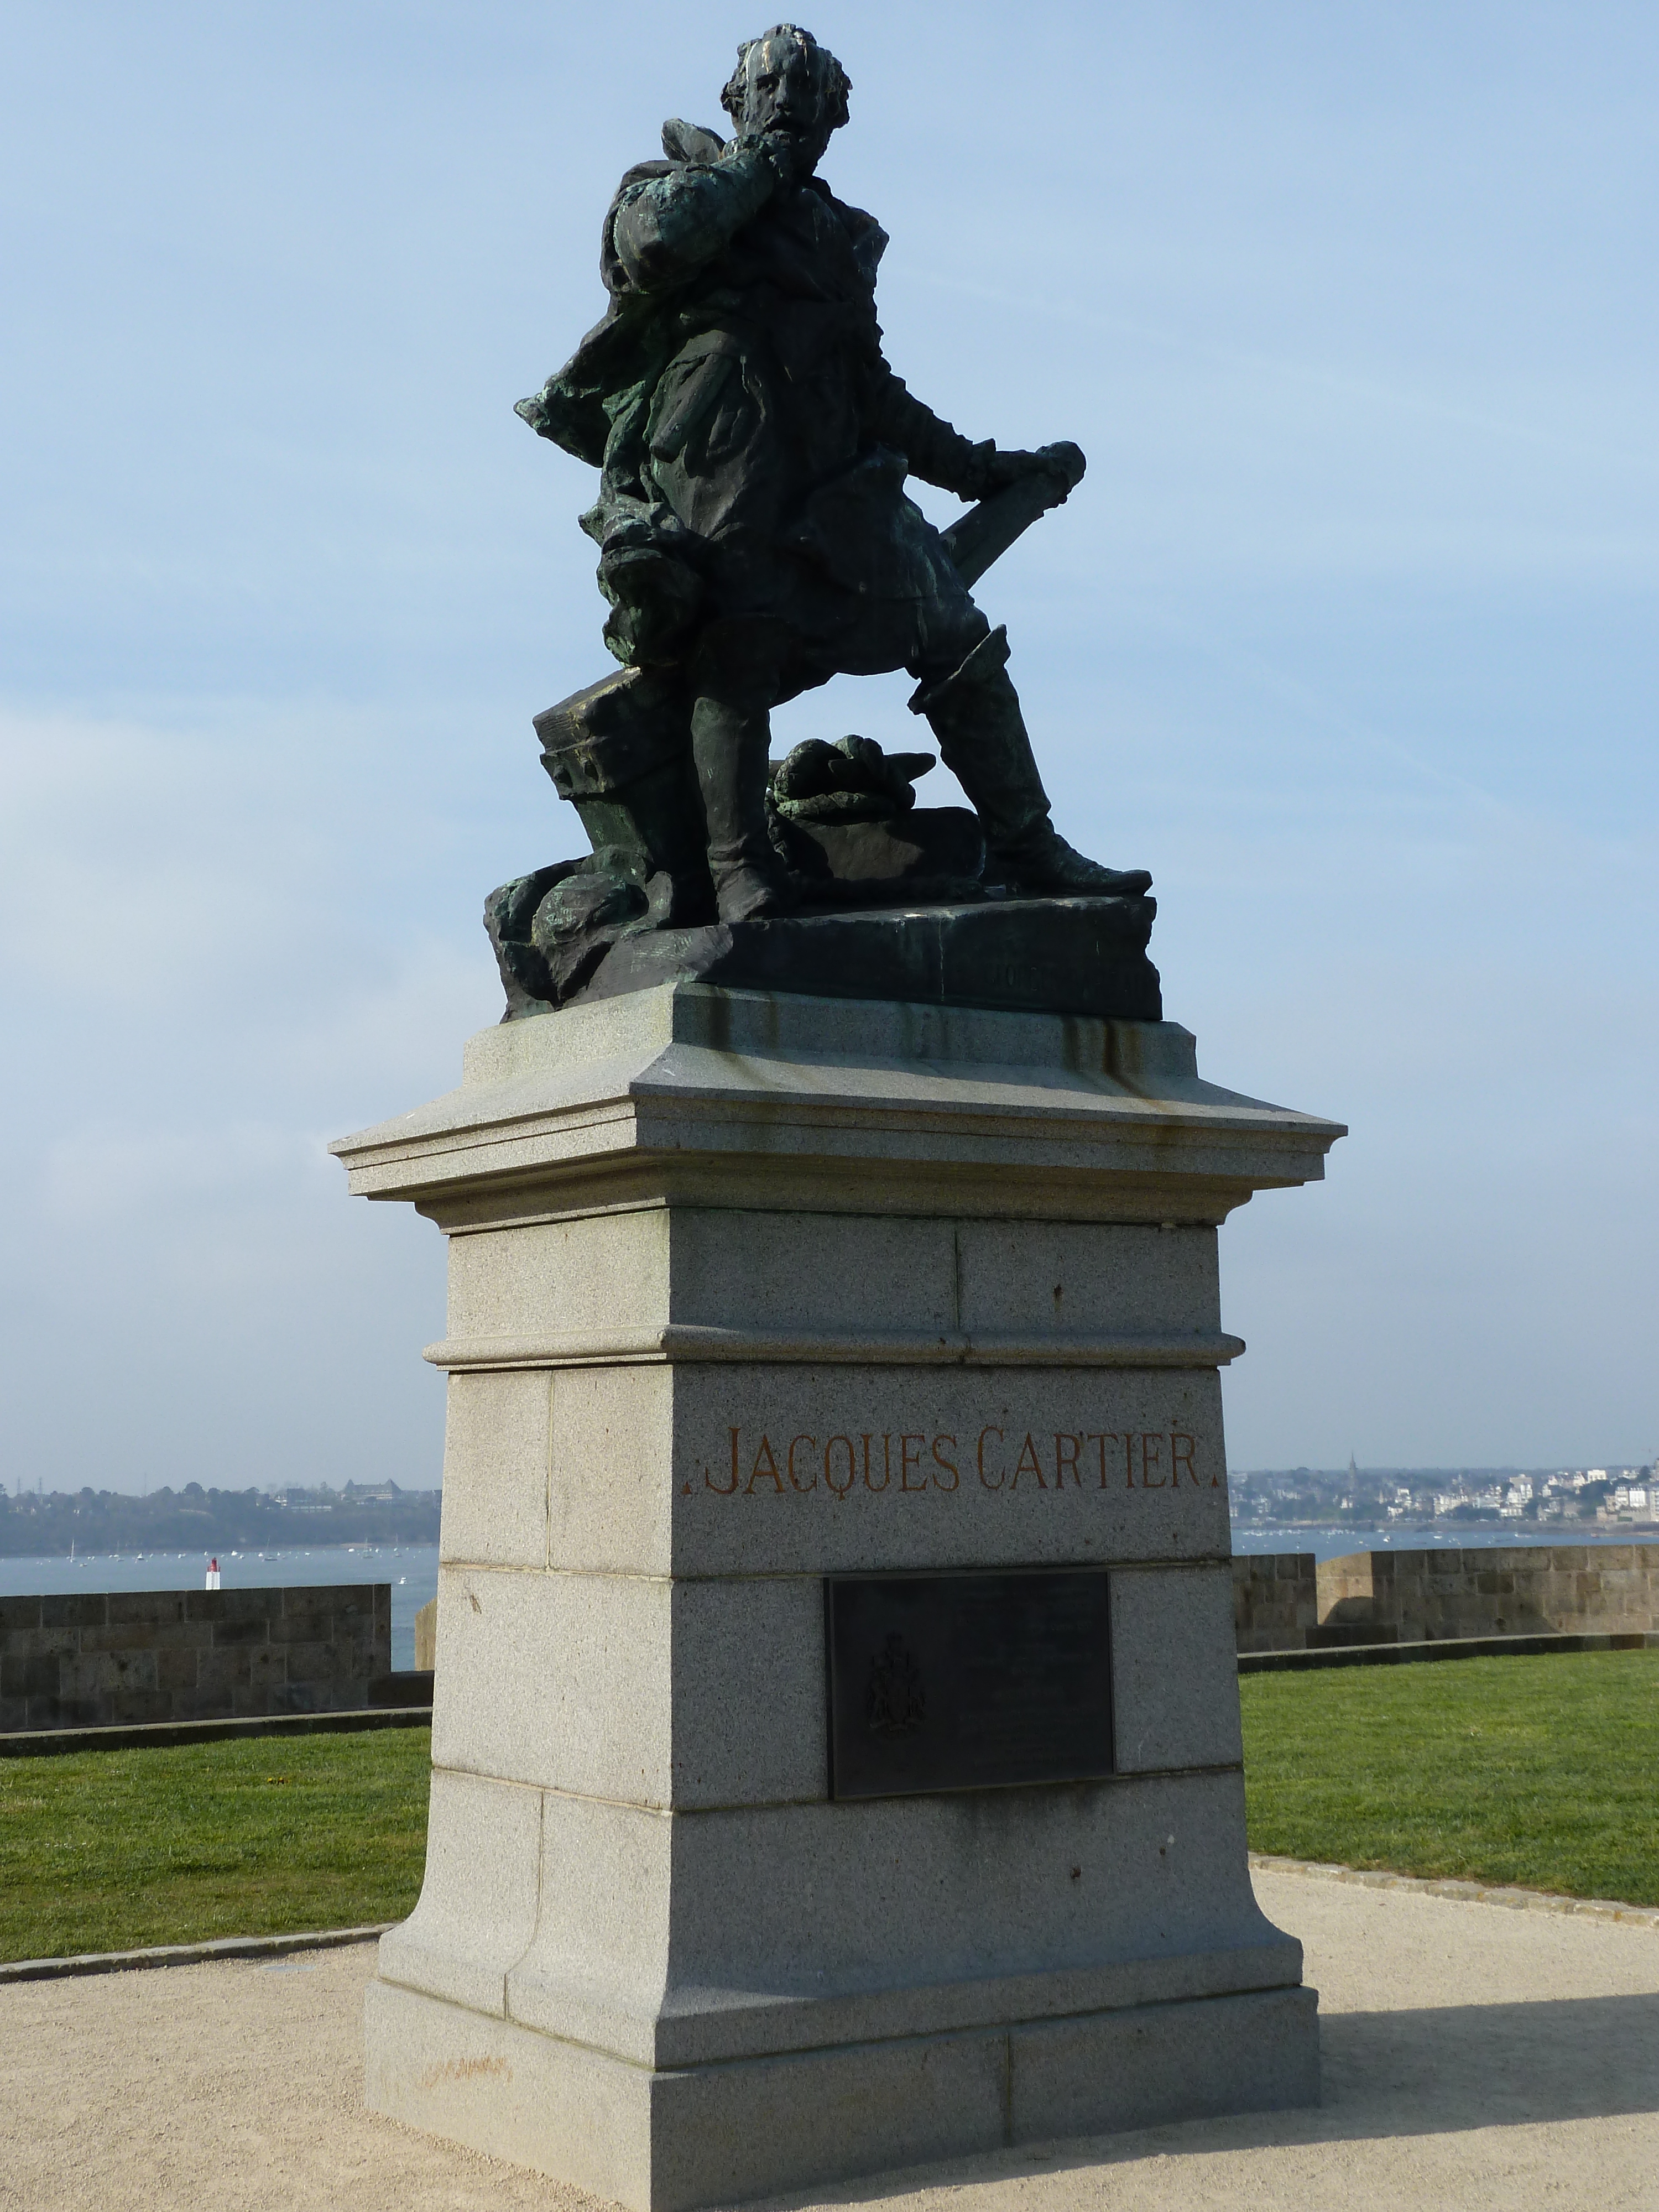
pixel 830 79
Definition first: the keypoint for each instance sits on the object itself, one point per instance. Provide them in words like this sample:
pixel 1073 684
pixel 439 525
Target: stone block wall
pixel 1519 1590
pixel 1275 1600
pixel 102 1659
pixel 426 1638
pixel 1282 1601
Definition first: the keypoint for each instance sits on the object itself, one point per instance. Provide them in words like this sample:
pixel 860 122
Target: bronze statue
pixel 755 539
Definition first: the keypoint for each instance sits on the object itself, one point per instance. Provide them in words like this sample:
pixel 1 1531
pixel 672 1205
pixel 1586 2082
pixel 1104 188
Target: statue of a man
pixel 753 442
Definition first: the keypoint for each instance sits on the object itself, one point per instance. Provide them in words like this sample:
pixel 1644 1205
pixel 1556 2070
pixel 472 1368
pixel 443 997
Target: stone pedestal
pixel 752 1292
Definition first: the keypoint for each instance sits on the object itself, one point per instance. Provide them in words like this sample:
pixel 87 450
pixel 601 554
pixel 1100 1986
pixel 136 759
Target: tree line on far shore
pixel 41 1525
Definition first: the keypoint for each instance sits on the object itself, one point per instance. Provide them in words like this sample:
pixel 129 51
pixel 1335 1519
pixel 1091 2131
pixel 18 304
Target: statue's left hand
pixel 1014 466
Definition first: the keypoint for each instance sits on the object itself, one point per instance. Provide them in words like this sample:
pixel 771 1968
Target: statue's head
pixel 785 83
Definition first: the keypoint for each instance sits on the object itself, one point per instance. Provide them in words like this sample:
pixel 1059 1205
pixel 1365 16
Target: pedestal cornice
pixel 674 1342
pixel 832 1105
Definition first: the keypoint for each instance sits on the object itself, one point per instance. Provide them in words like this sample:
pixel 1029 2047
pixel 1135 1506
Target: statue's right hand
pixel 751 143
pixel 781 152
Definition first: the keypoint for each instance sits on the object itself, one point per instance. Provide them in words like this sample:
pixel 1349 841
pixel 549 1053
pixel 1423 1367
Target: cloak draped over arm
pixel 664 229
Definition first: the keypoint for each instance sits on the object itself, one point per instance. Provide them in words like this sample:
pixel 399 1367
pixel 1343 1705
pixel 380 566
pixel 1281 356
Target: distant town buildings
pixel 1503 1497
pixel 1631 1501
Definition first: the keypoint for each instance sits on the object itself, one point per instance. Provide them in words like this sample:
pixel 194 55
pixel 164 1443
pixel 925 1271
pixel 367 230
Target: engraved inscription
pixel 909 1463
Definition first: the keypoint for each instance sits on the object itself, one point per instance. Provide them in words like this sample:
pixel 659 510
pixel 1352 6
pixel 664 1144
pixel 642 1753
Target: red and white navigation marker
pixel 213 1574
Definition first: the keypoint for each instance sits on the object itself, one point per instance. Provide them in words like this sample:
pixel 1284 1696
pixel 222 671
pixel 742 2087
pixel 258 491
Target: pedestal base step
pixel 669 2142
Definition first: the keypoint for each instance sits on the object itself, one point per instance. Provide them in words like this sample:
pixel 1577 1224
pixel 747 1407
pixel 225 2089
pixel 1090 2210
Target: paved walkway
pixel 1474 2057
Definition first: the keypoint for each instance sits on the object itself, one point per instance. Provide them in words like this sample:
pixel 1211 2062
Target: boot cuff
pixel 989 654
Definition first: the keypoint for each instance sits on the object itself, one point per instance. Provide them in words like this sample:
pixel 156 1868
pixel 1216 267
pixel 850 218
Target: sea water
pixel 1329 1543
pixel 411 1569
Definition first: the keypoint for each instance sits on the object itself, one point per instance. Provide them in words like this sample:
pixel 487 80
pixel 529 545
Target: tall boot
pixel 729 747
pixel 975 714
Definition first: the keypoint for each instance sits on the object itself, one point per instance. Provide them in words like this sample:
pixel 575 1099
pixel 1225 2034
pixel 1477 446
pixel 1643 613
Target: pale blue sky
pixel 1349 635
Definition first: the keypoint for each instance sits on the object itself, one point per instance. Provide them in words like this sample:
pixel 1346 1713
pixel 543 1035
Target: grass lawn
pixel 1544 1772
pixel 103 1850
pixel 1541 1771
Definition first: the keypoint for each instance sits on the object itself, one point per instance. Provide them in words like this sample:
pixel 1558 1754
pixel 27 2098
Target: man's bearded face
pixel 782 99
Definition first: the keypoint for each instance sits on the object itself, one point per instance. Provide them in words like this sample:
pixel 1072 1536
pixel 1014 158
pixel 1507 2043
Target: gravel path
pixel 1474 2057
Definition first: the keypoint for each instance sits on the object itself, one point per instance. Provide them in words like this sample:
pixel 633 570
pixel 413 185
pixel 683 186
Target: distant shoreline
pixel 1549 1532
pixel 116 1525
pixel 1326 1540
pixel 222 1551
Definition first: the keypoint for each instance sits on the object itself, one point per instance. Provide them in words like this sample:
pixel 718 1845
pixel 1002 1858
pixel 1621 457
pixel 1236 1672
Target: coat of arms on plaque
pixel 898 1704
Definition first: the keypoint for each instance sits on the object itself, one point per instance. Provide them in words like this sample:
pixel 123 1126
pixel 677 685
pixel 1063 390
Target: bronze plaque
pixel 969 1682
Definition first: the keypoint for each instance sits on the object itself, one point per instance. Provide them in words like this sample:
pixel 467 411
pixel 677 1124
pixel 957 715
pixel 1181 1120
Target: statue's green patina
pixel 755 539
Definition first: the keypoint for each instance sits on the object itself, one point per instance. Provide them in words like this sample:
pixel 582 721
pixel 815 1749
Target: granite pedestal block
pixel 750 1292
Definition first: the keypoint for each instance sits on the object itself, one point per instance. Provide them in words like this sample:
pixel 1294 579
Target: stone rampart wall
pixel 1281 1602
pixel 426 1638
pixel 1275 1600
pixel 99 1659
pixel 1511 1590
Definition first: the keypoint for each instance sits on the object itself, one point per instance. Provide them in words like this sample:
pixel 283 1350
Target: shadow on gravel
pixel 1494 2065
pixel 1385 2073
